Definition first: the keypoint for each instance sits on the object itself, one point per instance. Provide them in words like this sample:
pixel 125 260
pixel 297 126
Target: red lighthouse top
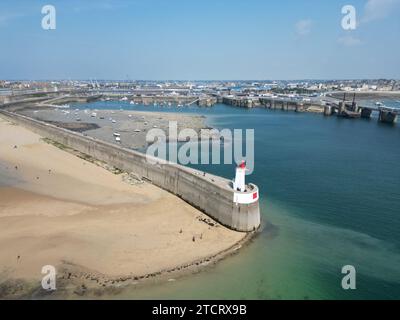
pixel 242 165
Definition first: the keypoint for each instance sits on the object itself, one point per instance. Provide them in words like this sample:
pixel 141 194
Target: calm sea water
pixel 330 196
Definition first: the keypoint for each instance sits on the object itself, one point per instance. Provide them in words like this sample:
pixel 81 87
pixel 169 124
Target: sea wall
pixel 204 101
pixel 208 193
pixel 10 101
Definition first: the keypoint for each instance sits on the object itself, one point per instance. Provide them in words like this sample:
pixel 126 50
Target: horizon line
pixel 217 80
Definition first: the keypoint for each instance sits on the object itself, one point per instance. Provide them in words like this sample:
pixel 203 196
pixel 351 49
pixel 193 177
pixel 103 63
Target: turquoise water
pixel 330 196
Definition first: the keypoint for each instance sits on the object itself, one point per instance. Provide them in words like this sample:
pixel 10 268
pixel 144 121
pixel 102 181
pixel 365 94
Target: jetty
pixel 351 109
pixel 326 104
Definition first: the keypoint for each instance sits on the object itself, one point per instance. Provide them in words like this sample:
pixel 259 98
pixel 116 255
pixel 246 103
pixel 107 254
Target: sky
pixel 199 40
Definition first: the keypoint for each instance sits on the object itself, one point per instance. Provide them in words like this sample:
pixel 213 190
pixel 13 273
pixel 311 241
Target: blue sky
pixel 207 39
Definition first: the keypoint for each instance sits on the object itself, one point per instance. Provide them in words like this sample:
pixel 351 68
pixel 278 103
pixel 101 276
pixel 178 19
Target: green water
pixel 330 196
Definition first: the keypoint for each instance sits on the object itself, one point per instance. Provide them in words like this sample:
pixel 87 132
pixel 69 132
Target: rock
pixel 132 179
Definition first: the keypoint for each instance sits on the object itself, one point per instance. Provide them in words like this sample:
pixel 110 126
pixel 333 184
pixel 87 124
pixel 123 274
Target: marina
pixel 328 103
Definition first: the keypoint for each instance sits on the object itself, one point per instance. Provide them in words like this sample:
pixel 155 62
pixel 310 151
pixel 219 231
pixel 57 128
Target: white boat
pixel 136 130
pixel 113 121
pixel 124 99
pixel 379 104
pixel 132 102
pixel 118 139
pixel 116 134
pixel 63 106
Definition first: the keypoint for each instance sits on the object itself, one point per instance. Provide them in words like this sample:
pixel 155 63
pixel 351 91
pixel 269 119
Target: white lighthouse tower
pixel 239 183
pixel 246 210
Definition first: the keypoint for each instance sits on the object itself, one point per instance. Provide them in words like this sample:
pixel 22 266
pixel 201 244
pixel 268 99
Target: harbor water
pixel 330 197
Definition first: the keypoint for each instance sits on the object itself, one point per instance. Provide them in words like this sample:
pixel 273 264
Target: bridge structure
pixel 329 105
pixel 351 109
pixel 289 104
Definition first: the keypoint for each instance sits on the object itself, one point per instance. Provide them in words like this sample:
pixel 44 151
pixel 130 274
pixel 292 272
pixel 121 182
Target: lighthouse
pixel 239 183
pixel 246 210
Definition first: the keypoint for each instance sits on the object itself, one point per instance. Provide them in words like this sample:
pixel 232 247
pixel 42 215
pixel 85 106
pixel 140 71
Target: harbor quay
pixel 327 104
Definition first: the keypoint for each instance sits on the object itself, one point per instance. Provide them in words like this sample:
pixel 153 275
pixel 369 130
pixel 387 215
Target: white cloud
pixel 378 9
pixel 349 41
pixel 303 27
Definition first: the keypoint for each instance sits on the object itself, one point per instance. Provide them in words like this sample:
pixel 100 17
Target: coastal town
pixel 307 86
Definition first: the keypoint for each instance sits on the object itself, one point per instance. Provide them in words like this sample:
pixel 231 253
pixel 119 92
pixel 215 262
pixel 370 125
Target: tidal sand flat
pixel 132 126
pixel 97 230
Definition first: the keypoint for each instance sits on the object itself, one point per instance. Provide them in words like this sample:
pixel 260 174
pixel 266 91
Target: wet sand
pixel 97 230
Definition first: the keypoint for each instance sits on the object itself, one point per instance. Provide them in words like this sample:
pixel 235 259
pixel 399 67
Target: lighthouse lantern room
pixel 239 183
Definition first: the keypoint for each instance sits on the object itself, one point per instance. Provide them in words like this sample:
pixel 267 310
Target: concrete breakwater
pixel 240 102
pixel 211 194
pixel 204 101
pixel 272 103
pixel 44 100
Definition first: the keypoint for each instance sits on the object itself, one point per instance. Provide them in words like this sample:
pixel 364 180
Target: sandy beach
pixel 96 229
